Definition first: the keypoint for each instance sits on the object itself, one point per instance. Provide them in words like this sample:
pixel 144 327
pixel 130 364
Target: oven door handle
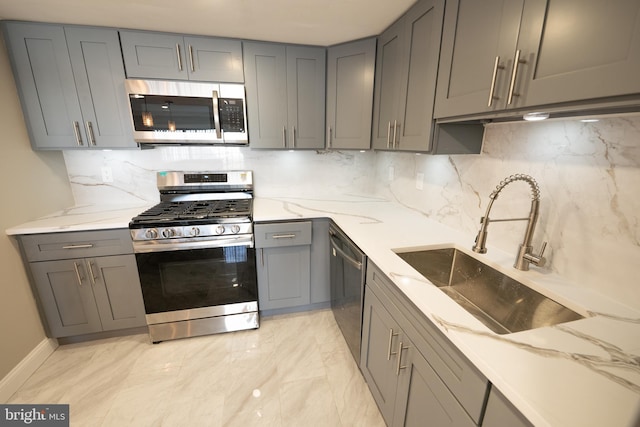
pixel 192 243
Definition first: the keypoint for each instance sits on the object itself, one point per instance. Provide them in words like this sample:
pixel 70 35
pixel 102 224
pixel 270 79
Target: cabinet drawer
pixel 462 378
pixel 277 234
pixel 50 246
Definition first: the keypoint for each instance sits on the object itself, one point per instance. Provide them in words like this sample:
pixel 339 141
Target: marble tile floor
pixel 294 370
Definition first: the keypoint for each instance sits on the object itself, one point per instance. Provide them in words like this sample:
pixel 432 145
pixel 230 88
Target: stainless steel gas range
pixel 195 255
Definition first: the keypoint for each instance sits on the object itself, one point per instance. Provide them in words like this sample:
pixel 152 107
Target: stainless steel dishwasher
pixel 348 271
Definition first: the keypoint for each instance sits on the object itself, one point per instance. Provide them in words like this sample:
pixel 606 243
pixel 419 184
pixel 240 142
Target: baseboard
pixel 27 366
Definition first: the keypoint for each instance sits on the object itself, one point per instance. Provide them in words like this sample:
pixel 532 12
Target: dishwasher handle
pixel 357 264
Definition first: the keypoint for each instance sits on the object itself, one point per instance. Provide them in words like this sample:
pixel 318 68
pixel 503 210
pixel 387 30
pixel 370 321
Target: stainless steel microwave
pixel 175 112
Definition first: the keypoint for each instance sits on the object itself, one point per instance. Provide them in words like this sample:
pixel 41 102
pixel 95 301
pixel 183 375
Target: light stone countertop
pixel 582 373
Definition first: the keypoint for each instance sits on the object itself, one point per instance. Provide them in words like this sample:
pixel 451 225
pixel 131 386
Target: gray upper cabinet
pixel 150 55
pixel 71 85
pixel 499 54
pixel 285 95
pixel 406 71
pixel 350 71
pixel 594 54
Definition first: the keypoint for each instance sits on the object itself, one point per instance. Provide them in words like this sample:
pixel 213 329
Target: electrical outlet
pixel 391 173
pixel 107 174
pixel 419 181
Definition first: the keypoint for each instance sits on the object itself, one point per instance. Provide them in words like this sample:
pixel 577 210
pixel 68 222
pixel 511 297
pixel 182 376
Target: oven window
pixel 171 113
pixel 187 279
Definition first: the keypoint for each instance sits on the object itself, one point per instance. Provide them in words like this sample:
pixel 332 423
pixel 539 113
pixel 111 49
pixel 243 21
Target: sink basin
pixel 503 304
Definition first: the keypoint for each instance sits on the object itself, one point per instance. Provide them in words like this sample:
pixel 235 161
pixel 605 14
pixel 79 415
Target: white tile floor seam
pixel 294 370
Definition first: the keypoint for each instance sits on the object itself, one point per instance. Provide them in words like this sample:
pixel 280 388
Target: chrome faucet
pixel 525 251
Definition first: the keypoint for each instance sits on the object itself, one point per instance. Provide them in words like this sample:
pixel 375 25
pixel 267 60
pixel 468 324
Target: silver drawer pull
pixel 89 245
pixel 399 364
pixel 389 352
pixel 283 236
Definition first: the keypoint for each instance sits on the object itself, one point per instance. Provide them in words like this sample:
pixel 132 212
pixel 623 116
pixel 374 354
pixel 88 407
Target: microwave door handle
pixel 216 115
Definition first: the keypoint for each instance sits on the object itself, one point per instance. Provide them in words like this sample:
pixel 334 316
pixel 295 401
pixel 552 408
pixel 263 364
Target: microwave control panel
pixel 231 114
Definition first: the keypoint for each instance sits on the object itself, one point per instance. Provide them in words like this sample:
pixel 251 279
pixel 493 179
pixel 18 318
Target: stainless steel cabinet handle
pixel 216 114
pixel 193 68
pixel 284 136
pixel 389 352
pixel 77 268
pixel 329 137
pixel 395 129
pixel 283 236
pixel 92 276
pixel 82 246
pixel 389 135
pixel 398 365
pixel 514 76
pixel 76 131
pixel 496 67
pixel 179 54
pixel 90 134
pixel 294 137
pixel 262 256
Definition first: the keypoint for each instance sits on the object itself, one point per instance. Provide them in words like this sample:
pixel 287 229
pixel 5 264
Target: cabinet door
pixel 154 55
pixel 99 76
pixel 66 297
pixel 423 30
pixel 306 96
pixel 117 291
pixel 265 68
pixel 478 47
pixel 44 79
pixel 422 396
pixel 577 50
pixel 387 85
pixel 214 60
pixel 378 357
pixel 284 277
pixel 350 71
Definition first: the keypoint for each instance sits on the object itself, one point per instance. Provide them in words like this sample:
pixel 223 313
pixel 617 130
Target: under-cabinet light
pixel 534 117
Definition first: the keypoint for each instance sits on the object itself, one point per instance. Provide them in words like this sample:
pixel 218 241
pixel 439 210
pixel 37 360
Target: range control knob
pixel 220 229
pixel 167 233
pixel 235 229
pixel 195 231
pixel 151 233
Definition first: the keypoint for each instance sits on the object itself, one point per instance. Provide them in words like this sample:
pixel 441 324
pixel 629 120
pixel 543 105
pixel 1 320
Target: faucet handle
pixel 538 260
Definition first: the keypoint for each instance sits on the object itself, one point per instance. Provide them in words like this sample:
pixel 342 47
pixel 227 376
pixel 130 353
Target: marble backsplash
pixel 588 173
pixel 589 178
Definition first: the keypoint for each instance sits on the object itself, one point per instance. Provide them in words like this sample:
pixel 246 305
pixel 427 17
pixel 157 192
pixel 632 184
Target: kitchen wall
pixel 589 177
pixel 588 174
pixel 32 184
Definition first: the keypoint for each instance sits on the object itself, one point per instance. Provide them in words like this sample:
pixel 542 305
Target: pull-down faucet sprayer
pixel 525 251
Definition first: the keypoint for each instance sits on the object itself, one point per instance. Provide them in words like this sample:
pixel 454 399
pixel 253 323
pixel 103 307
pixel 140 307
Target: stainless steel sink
pixel 503 304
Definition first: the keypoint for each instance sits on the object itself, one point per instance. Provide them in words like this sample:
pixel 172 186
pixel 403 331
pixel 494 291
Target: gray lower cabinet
pixel 285 87
pixel 405 80
pixel 85 282
pixel 499 55
pixel 350 71
pixel 414 375
pixel 149 55
pixel 71 85
pixel 283 264
pixel 500 412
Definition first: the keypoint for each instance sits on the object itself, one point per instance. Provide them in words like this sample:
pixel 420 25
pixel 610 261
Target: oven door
pixel 196 283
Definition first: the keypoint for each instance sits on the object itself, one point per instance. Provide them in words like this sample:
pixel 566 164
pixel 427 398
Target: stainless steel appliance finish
pixel 174 112
pixel 195 255
pixel 348 272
